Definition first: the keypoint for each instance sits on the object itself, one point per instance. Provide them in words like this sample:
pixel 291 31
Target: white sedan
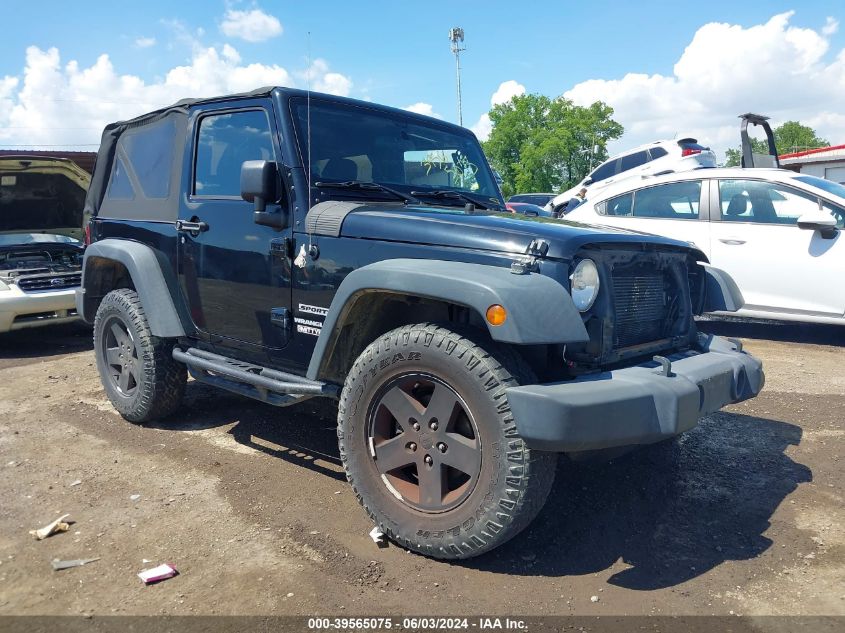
pixel 778 233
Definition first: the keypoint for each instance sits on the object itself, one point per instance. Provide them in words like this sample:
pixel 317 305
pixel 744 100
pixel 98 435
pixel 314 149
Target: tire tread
pixel 164 378
pixel 508 370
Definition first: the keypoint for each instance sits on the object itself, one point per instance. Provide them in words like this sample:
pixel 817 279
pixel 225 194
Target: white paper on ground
pixel 162 572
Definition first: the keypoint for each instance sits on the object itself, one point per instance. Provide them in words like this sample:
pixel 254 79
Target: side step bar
pixel 268 385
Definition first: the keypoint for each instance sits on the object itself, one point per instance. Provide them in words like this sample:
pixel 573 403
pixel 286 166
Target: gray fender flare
pixel 721 292
pixel 540 310
pixel 146 273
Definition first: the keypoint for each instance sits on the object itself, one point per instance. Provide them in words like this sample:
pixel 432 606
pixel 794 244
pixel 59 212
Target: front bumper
pixel 635 405
pixel 19 309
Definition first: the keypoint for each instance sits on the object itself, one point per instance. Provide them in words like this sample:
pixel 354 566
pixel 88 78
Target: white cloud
pixel 422 108
pixel 145 42
pixel 323 80
pixel 51 103
pixel 252 26
pixel 831 26
pixel 506 91
pixel 775 68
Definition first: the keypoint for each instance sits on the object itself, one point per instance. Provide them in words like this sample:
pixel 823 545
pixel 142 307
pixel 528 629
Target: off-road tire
pixel 160 380
pixel 513 480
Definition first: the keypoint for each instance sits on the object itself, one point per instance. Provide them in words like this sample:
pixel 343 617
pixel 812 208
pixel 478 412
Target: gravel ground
pixel 743 515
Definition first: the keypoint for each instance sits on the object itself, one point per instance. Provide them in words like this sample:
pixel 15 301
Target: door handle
pixel 731 241
pixel 195 226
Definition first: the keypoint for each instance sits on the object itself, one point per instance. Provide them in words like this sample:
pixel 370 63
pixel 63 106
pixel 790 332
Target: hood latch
pixel 536 250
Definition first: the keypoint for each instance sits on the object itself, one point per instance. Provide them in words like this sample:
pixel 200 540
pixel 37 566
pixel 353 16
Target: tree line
pixel 543 144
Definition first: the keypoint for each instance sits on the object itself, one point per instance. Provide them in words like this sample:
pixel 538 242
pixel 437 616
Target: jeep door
pixel 234 272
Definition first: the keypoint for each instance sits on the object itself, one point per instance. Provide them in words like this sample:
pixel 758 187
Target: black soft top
pixel 145 182
pixel 174 120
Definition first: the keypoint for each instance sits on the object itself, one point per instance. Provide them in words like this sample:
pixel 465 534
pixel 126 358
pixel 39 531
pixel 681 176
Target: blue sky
pixel 398 52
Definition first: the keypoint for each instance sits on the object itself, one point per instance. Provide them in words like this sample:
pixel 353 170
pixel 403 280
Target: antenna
pixel 308 132
pixel 456 39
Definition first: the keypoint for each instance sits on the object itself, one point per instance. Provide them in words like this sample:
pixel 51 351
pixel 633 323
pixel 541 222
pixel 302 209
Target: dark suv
pixel 285 245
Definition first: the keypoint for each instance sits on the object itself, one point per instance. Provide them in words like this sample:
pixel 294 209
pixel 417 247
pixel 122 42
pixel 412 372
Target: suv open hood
pixel 41 196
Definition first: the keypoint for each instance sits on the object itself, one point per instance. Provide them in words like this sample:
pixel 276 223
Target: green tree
pixel 543 144
pixel 791 136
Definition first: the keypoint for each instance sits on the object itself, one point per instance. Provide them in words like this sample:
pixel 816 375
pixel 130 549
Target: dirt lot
pixel 744 515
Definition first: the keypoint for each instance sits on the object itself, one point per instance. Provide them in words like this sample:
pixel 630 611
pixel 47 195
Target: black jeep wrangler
pixel 285 245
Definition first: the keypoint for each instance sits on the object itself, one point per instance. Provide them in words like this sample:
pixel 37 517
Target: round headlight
pixel 585 284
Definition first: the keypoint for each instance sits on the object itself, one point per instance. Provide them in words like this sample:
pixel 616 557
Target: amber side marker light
pixel 496 314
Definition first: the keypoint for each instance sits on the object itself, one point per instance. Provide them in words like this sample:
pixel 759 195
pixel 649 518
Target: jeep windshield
pixel 436 163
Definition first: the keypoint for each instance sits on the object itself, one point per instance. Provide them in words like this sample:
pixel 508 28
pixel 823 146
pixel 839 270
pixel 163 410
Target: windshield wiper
pixel 361 185
pixel 451 193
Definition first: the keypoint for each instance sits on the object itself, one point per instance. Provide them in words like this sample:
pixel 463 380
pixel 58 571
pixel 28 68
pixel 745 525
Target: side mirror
pixel 587 182
pixel 826 224
pixel 258 185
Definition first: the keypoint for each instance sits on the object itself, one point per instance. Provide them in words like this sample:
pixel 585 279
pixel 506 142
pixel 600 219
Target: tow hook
pixel 665 365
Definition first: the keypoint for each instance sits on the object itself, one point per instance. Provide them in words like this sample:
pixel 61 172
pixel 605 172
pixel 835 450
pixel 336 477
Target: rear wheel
pixel 429 443
pixel 137 369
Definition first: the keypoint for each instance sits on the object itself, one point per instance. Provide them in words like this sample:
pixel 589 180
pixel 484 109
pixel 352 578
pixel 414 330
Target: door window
pixel 836 212
pixel 764 202
pixel 224 142
pixel 603 172
pixel 672 201
pixel 633 160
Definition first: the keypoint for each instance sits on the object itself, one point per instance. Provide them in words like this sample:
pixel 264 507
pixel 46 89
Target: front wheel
pixel 429 443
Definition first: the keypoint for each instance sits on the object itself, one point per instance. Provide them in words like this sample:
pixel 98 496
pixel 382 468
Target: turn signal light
pixel 496 314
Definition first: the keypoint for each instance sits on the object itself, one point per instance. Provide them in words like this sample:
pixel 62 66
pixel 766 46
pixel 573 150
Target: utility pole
pixel 456 38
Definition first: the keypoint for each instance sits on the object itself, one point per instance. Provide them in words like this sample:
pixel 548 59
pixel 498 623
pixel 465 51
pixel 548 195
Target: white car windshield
pixel 827 185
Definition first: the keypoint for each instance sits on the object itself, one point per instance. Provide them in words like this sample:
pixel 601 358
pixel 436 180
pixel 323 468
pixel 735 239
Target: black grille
pixel 50 282
pixel 641 310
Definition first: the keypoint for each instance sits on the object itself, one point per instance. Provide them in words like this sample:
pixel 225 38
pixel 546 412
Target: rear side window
pixel 605 171
pixel 672 201
pixel 120 187
pixel 144 162
pixel 151 156
pixel 657 152
pixel 224 142
pixel 633 160
pixel 620 205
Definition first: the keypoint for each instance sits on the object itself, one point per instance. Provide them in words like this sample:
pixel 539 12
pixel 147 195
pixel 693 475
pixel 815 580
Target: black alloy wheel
pixel 121 356
pixel 424 443
pixel 137 369
pixel 430 445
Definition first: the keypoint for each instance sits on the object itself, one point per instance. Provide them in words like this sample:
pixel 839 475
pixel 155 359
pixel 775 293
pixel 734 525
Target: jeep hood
pixel 41 196
pixel 501 232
